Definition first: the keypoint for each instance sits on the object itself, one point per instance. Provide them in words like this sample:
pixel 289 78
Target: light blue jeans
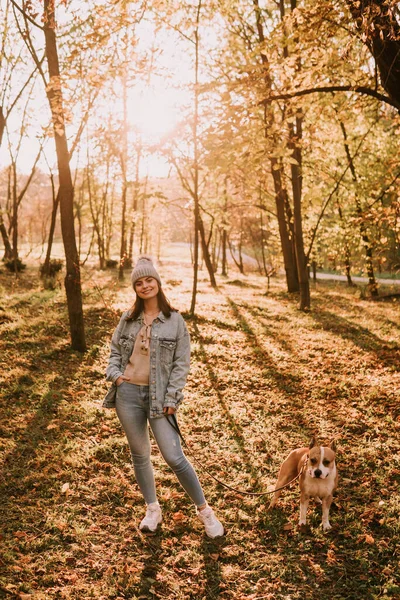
pixel 133 411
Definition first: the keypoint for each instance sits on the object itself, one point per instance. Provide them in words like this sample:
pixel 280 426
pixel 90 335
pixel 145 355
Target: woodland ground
pixel 264 377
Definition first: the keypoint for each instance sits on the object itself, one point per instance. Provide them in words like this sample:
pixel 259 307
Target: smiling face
pixel 147 287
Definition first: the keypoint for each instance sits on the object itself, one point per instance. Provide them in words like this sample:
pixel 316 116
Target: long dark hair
pixel 163 303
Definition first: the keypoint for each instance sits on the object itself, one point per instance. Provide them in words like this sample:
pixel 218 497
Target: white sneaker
pixel 213 527
pixel 152 519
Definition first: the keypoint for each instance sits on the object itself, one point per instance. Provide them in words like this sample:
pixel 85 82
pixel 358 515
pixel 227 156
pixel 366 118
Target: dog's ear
pixel 313 442
pixel 332 445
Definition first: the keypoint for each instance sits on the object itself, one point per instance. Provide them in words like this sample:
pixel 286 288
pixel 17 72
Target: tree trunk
pixel 281 202
pixel 347 261
pixel 66 191
pixel 264 262
pixel 214 245
pixel 301 261
pixel 224 236
pixel 196 164
pixel 135 202
pixel 281 198
pixel 238 263
pixel 372 285
pixel 206 252
pixel 122 251
pixel 6 241
pixel 105 227
pixel 96 213
pixel 379 24
pixel 14 216
pixel 46 265
pixel 142 246
pixel 224 243
pixel 2 124
pixel 295 136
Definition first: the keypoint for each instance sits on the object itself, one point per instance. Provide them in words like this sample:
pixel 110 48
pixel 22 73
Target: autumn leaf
pixel 65 488
pixel 178 516
pixel 20 534
pixel 369 539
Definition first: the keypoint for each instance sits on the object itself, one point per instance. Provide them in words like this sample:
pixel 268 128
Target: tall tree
pixel 283 210
pixel 66 190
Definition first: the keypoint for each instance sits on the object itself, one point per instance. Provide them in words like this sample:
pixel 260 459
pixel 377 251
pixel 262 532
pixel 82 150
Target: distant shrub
pixel 174 282
pixel 239 283
pixel 54 267
pixel 15 265
pixel 111 264
pixel 50 276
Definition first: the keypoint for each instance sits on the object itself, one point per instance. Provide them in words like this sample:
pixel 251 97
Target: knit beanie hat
pixel 144 268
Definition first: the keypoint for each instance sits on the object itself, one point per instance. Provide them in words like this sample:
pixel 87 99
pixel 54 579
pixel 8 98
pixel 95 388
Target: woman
pixel 148 365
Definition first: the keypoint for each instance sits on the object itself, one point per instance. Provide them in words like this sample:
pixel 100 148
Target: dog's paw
pixel 326 527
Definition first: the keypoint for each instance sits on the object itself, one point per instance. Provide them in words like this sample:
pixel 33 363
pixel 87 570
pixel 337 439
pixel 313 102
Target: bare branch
pixel 18 96
pixel 314 233
pixel 26 16
pixel 359 89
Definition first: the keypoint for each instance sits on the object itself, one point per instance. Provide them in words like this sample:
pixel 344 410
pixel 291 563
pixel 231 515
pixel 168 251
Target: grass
pixel 264 378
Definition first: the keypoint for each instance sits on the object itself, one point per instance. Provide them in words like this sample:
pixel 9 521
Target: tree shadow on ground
pixel 238 432
pixel 286 381
pixel 361 337
pixel 31 400
pixel 153 565
pixel 211 548
pixel 269 330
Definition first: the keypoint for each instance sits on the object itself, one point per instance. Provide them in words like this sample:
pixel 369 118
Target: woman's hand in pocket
pixel 120 380
pixel 168 410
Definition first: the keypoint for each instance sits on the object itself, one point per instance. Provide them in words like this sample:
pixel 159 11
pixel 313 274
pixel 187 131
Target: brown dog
pixel 318 478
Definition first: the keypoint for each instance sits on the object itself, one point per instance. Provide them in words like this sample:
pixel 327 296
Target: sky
pixel 155 105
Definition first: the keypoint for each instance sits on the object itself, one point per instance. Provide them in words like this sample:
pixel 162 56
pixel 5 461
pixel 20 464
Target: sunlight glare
pixel 154 113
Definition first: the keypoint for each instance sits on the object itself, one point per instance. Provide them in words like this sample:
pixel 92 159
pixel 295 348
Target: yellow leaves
pixel 54 85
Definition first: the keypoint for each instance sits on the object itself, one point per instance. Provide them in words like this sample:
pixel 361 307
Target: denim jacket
pixel 169 359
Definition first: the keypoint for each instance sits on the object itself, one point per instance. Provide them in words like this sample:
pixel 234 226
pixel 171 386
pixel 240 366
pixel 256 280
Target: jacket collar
pixel 160 316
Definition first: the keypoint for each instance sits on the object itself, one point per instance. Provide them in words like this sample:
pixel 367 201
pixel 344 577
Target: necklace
pixel 151 313
pixel 148 325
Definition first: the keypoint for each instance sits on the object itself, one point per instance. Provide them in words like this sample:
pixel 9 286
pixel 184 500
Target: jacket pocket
pixel 126 345
pixel 167 350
